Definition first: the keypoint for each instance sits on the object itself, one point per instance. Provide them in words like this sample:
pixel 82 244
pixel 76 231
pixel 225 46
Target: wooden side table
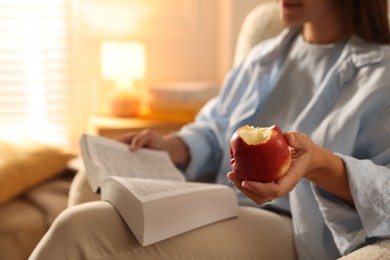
pixel 111 127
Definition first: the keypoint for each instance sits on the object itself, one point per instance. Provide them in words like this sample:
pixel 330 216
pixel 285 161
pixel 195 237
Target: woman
pixel 324 80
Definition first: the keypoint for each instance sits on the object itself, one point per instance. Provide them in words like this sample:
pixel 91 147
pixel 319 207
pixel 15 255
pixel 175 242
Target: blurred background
pixel 72 66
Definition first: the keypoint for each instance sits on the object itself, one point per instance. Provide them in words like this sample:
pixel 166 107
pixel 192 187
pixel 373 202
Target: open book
pixel 150 193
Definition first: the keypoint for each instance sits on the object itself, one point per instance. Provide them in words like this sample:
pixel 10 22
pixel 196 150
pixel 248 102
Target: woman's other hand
pixel 146 138
pixel 176 148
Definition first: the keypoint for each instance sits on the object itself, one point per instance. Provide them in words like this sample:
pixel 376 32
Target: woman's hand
pixel 175 147
pixel 146 138
pixel 301 148
pixel 309 161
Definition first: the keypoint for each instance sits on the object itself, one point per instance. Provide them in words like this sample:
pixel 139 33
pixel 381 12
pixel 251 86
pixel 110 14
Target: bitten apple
pixel 259 154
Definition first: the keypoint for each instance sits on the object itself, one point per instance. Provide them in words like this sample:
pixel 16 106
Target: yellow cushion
pixel 25 163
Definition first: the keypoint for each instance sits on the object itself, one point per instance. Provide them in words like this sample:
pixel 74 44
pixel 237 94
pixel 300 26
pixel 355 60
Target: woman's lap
pixel 94 230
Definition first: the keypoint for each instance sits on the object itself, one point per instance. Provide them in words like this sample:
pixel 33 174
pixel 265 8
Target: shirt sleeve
pixel 208 137
pixel 205 138
pixel 369 181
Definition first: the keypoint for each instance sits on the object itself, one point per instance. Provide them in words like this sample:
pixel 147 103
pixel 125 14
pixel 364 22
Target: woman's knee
pixel 85 219
pixel 72 233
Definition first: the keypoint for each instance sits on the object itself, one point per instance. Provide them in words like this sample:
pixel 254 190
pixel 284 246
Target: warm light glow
pixel 123 62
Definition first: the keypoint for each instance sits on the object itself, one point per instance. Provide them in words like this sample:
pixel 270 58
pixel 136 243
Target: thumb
pixel 296 140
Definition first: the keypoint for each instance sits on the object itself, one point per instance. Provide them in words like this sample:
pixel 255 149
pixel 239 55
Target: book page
pixel 108 157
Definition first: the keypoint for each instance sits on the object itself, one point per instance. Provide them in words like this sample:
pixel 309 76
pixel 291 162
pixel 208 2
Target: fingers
pixel 298 141
pixel 145 138
pixel 304 152
pixel 258 192
pixel 125 138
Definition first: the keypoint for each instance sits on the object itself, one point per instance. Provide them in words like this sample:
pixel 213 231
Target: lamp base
pixel 123 102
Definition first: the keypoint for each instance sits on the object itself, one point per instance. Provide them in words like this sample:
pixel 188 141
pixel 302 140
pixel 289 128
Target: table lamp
pixel 123 62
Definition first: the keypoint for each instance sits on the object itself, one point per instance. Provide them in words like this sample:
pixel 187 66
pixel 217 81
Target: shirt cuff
pixel 342 220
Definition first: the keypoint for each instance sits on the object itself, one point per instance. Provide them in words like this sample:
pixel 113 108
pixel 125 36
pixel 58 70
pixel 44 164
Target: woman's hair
pixel 368 19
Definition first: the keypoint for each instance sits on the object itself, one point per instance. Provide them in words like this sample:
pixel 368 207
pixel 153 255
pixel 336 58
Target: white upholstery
pixel 377 251
pixel 260 24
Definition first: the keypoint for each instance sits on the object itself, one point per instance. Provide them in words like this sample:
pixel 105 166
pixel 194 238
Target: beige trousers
pixel 94 230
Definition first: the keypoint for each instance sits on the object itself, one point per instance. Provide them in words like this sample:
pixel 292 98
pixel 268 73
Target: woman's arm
pixel 330 174
pixel 178 150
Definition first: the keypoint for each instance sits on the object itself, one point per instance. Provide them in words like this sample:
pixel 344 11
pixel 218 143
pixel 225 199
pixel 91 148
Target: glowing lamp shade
pixel 123 62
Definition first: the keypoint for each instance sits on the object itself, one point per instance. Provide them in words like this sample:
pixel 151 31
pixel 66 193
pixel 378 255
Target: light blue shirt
pixel 295 84
pixel 349 114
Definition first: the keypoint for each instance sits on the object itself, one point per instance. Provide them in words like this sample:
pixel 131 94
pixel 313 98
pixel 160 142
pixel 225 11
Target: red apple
pixel 259 154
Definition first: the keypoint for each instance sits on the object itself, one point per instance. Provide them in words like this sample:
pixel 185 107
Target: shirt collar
pixel 364 53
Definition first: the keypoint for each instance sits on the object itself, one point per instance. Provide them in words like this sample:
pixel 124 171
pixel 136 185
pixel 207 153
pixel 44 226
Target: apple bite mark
pixel 259 153
pixel 254 135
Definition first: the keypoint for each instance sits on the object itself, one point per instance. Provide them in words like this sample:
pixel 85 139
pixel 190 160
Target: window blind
pixel 34 69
